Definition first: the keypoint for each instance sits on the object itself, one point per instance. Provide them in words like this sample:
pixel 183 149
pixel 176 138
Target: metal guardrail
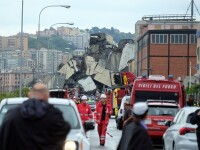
pixel 172 17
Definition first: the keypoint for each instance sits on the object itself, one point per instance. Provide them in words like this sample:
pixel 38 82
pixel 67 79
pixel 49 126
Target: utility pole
pixel 192 10
pixel 21 47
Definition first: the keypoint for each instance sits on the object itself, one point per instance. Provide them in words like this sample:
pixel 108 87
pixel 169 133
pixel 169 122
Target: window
pixel 178 38
pixel 189 117
pixel 182 118
pixel 162 110
pixel 193 39
pixel 159 39
pixel 179 114
pixel 143 96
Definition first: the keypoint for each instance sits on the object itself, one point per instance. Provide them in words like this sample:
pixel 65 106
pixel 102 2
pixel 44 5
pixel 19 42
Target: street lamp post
pixel 71 24
pixel 21 47
pixel 38 35
pixel 52 56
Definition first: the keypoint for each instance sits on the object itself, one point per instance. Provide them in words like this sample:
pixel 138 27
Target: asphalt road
pixel 111 142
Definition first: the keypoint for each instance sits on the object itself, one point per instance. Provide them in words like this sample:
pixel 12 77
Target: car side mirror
pixel 168 123
pixel 89 125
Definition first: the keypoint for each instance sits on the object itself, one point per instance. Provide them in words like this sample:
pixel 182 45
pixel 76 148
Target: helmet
pixel 103 96
pixel 84 97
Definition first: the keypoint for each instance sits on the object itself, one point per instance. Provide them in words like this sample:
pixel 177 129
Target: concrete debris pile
pixel 96 68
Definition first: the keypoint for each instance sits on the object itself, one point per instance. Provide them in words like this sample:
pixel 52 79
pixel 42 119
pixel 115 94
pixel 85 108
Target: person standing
pixel 85 110
pixel 34 125
pixel 135 136
pixel 101 116
pixel 195 119
pixel 190 101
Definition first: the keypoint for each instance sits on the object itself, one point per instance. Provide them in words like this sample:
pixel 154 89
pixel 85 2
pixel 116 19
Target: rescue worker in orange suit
pixel 101 116
pixel 85 110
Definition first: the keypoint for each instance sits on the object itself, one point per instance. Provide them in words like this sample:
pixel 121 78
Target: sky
pixel 120 14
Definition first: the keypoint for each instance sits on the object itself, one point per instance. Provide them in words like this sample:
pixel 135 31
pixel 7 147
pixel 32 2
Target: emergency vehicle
pixel 68 93
pixel 127 79
pixel 164 97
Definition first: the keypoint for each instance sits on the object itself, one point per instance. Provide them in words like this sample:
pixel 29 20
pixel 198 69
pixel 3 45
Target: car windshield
pixel 57 94
pixel 162 110
pixel 145 95
pixel 69 114
pixel 91 102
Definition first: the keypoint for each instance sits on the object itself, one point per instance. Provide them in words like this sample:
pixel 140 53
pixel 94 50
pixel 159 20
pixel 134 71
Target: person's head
pixel 74 98
pixel 140 111
pixel 84 99
pixel 40 92
pixel 103 98
pixel 191 99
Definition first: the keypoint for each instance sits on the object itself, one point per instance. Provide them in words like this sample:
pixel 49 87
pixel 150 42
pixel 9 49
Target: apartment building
pixel 80 41
pixel 64 31
pixel 10 80
pixel 13 42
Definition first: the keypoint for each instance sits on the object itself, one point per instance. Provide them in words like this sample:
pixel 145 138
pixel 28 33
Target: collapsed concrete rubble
pixel 101 61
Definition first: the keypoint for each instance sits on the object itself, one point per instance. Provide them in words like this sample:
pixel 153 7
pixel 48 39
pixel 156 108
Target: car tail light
pixel 184 131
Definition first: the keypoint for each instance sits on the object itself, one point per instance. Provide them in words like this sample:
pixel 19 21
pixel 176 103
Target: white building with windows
pixel 80 41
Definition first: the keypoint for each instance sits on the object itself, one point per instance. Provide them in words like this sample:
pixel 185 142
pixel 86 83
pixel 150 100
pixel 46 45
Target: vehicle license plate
pixel 161 123
pixel 147 121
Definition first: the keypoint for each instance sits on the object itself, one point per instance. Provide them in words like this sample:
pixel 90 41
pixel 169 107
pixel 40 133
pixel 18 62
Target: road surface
pixel 111 142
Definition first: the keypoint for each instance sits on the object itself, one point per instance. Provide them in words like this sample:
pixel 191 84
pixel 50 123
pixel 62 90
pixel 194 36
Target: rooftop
pixel 170 17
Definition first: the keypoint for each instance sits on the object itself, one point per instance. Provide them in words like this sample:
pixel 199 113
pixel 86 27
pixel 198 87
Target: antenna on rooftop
pixel 192 5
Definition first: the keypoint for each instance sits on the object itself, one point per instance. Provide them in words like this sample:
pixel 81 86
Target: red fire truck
pixel 164 97
pixel 123 89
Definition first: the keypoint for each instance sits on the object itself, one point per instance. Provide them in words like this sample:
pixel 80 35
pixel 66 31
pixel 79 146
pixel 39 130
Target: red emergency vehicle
pixel 127 79
pixel 164 97
pixel 68 93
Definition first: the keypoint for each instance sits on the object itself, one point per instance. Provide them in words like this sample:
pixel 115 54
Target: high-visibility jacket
pixel 98 113
pixel 85 112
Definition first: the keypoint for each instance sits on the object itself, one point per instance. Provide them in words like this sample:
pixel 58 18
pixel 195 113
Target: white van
pixel 125 99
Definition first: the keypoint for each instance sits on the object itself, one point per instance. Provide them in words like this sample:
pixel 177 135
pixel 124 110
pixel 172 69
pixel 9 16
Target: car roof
pixel 190 109
pixel 19 100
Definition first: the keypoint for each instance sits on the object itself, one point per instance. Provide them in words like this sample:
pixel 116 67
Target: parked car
pixel 92 104
pixel 121 112
pixel 77 137
pixel 181 133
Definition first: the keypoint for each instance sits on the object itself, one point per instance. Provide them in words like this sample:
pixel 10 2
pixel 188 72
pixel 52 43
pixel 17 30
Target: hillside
pixel 56 42
pixel 115 33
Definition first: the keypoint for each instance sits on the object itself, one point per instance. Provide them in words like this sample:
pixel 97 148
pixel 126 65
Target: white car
pixel 121 112
pixel 76 139
pixel 181 133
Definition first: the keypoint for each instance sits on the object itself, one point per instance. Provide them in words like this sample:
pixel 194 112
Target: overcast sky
pixel 121 14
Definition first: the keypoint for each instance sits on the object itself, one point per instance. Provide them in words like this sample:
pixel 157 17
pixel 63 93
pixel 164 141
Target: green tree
pixel 14 94
pixel 55 42
pixel 194 89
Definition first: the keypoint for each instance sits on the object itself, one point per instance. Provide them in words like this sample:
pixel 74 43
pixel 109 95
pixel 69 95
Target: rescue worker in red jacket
pixel 101 116
pixel 85 110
